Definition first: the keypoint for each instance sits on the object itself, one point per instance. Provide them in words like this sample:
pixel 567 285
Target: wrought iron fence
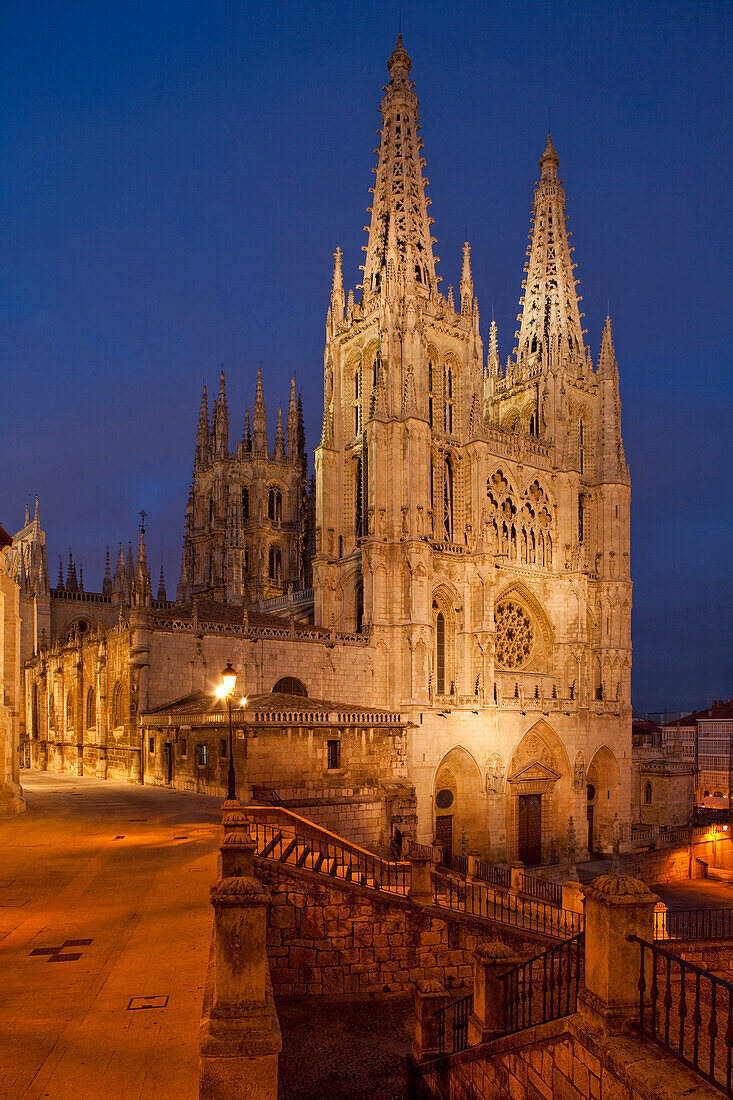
pixel 313 853
pixel 537 887
pixel 452 1021
pixel 693 924
pixel 688 1011
pixel 481 901
pixel 494 875
pixel 453 862
pixel 545 987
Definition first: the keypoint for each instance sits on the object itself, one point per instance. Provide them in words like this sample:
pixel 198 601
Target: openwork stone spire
pixel 399 234
pixel 550 326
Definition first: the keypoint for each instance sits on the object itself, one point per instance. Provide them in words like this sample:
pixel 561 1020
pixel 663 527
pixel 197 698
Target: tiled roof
pixel 201 702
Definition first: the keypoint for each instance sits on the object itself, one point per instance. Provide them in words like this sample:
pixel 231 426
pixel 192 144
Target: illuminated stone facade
pixel 470 563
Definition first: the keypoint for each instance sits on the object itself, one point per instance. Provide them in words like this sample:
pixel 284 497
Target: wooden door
pixel 530 829
pixel 444 832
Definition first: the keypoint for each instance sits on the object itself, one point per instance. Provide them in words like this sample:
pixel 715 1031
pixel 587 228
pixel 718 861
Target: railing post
pixel 430 996
pixel 490 963
pixel 516 870
pixel 616 906
pixel 421 889
pixel 240 1033
pixel 572 896
pixel 660 920
pixel 472 861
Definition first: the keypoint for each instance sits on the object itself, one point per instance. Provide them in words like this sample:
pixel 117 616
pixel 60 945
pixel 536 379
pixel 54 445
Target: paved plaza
pixel 105 927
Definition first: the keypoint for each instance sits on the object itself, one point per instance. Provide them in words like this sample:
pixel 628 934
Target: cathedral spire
pixel 260 418
pixel 60 581
pixel 337 289
pixel 607 359
pixel 107 582
pixel 399 233
pixel 72 584
pixel 550 326
pixel 161 586
pixel 141 587
pixel 202 435
pixel 466 281
pixel 247 436
pixel 221 420
pixel 292 424
pixel 279 452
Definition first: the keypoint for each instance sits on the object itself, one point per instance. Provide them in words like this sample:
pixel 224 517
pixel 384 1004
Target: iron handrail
pixel 541 888
pixel 481 901
pixel 694 924
pixel 664 1016
pixel 544 987
pixel 459 1012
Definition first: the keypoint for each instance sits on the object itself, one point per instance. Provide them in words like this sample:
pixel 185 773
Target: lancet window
pixel 430 392
pixel 448 500
pixel 448 400
pixel 275 505
pixel 245 504
pixel 91 709
pixel 358 501
pixel 70 711
pixel 523 534
pixel 275 563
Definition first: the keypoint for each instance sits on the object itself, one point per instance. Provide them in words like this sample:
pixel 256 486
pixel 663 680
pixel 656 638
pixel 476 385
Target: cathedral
pixel 434 633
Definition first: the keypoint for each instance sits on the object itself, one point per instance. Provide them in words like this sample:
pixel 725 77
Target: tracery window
pixel 448 402
pixel 514 634
pixel 581 518
pixel 358 501
pixel 275 563
pixel 70 711
pixel 245 504
pixel 648 793
pixel 430 392
pixel 440 653
pixel 581 447
pixel 91 709
pixel 448 500
pixel 275 505
pixel 357 402
pixel 117 705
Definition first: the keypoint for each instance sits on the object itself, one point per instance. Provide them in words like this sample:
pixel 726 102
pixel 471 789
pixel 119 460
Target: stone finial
pixel 426 986
pixel 618 886
pixel 238 890
pixel 495 949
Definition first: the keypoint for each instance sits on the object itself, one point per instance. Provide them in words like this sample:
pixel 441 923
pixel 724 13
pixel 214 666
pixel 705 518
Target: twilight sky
pixel 175 179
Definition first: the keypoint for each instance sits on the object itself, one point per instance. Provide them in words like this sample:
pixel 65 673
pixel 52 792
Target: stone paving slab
pixel 99 861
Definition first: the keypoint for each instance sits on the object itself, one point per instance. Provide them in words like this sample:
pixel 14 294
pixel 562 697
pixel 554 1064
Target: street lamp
pixel 225 691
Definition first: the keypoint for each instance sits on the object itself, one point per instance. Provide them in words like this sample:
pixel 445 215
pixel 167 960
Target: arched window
pixel 289 685
pixel 448 500
pixel 211 509
pixel 581 446
pixel 34 712
pixel 647 793
pixel 440 653
pixel 359 606
pixel 533 424
pixel 117 705
pixel 275 565
pixel 418 273
pixel 245 504
pixel 70 711
pixel 91 709
pixel 245 560
pixel 358 502
pixel 448 402
pixel 581 518
pixel 275 505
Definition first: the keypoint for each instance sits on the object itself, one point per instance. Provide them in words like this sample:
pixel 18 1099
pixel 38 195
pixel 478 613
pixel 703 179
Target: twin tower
pixel 473 517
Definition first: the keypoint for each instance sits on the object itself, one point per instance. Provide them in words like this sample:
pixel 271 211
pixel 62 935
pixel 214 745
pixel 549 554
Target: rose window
pixel 514 635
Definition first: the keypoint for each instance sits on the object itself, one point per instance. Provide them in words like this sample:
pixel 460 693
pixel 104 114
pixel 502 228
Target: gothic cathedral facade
pixel 476 518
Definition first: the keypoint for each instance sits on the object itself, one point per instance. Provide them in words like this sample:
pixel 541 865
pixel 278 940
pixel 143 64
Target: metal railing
pixel 495 876
pixel 543 988
pixel 453 1025
pixel 540 888
pixel 454 862
pixel 308 850
pixel 693 924
pixel 481 901
pixel 688 1012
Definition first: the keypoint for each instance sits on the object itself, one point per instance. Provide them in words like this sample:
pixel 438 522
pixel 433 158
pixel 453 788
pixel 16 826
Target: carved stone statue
pixel 494 772
pixel 579 771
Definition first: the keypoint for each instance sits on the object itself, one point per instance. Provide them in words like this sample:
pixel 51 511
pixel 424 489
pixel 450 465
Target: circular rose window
pixel 444 799
pixel 514 635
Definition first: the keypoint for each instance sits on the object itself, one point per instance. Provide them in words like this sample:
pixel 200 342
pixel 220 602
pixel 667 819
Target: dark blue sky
pixel 176 177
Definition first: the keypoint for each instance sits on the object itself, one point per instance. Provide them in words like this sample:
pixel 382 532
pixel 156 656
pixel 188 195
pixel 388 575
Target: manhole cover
pixel 136 1003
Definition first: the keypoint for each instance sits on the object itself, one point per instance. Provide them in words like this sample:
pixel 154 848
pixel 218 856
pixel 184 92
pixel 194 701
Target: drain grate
pixel 120 837
pixel 59 954
pixel 137 1003
pixel 180 837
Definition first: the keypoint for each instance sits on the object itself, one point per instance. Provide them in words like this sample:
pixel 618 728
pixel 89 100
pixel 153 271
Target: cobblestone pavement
pixel 350 1050
pixel 104 905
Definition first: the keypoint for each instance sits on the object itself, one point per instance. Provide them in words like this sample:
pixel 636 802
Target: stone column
pixel 515 875
pixel 572 896
pixel 240 1034
pixel 491 962
pixel 421 887
pixel 616 906
pixel 430 996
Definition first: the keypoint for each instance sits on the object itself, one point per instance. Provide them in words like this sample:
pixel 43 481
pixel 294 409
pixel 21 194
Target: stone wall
pixel 322 939
pixel 564 1060
pixel 361 820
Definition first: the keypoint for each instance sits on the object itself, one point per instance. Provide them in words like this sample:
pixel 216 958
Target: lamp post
pixel 225 691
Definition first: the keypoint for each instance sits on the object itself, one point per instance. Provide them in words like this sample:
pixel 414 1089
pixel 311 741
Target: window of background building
pixel 333 755
pixel 201 755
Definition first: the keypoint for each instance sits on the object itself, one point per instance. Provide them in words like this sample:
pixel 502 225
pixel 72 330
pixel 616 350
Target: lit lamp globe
pixel 228 679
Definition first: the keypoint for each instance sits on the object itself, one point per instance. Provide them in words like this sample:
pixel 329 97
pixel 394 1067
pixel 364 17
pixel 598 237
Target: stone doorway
pixel 530 828
pixel 444 833
pixel 603 791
